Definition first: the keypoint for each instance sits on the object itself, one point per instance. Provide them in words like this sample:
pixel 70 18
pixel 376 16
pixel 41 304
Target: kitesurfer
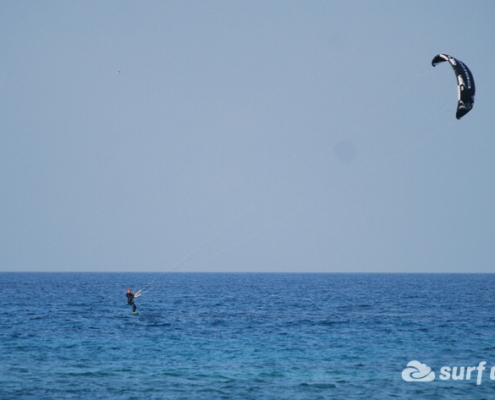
pixel 130 299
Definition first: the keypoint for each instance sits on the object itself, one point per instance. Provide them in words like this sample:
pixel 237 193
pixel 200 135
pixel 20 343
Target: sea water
pixel 247 336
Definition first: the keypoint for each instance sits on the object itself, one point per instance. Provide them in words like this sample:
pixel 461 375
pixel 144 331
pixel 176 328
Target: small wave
pixel 329 322
pixel 319 385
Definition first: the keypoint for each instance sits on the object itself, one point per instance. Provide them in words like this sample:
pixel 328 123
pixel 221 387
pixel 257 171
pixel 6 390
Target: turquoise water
pixel 244 336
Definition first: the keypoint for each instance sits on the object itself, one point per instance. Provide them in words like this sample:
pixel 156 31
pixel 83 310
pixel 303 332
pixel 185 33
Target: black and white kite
pixel 465 83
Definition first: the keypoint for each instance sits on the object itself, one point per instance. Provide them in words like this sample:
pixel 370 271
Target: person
pixel 130 300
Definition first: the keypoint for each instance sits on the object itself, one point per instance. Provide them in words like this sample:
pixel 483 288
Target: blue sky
pixel 277 136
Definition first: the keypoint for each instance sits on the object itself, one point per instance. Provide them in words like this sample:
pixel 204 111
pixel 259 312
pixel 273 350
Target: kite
pixel 465 83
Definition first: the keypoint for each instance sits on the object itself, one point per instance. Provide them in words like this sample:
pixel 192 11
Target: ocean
pixel 247 336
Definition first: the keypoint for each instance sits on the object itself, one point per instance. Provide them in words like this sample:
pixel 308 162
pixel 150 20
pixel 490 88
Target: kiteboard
pixel 135 313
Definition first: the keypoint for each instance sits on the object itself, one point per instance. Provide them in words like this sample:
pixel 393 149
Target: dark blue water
pixel 244 336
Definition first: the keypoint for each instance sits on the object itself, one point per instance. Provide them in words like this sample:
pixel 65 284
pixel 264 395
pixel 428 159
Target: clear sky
pixel 245 136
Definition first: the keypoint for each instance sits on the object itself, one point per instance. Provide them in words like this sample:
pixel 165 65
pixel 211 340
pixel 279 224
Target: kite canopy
pixel 465 83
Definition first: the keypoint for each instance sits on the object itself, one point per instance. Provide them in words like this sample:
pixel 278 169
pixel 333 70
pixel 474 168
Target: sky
pixel 245 136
